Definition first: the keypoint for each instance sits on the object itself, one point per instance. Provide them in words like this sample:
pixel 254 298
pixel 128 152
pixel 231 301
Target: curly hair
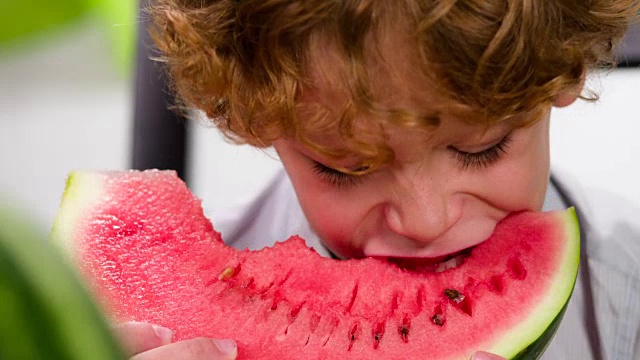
pixel 245 63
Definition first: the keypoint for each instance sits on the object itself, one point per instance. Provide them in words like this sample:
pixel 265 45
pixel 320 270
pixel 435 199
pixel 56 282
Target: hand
pixel 482 355
pixel 142 341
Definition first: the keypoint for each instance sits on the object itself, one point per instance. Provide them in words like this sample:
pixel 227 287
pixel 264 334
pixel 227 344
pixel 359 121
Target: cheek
pixel 327 210
pixel 520 183
pixel 526 186
pixel 333 214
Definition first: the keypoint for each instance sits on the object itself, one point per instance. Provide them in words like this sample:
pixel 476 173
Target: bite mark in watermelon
pixel 146 250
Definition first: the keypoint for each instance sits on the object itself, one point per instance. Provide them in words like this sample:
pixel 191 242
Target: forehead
pixel 371 106
pixel 390 76
pixel 395 82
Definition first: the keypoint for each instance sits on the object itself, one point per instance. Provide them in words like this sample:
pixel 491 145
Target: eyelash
pixel 484 158
pixel 335 177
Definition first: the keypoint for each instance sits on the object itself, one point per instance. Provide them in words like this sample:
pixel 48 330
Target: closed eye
pixel 484 158
pixel 335 177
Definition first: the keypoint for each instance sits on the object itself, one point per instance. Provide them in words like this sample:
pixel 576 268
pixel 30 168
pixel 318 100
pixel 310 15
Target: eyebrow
pixel 432 119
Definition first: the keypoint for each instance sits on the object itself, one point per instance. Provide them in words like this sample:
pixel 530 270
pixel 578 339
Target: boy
pixel 407 129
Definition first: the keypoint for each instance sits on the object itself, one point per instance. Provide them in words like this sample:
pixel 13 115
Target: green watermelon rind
pixel 45 310
pixel 538 347
pixel 530 338
pixel 82 191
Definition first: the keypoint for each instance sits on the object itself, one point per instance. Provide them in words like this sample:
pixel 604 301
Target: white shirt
pixel 602 320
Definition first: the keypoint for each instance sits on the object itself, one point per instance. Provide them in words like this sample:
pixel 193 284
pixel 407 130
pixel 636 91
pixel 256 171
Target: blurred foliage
pixel 20 19
pixel 47 314
pixel 24 21
pixel 120 17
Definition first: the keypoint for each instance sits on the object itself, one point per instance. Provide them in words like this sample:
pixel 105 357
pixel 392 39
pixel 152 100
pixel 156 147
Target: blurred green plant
pixel 22 21
pixel 120 18
pixel 46 313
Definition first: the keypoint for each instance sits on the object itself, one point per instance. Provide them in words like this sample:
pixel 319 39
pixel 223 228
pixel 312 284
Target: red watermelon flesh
pixel 142 243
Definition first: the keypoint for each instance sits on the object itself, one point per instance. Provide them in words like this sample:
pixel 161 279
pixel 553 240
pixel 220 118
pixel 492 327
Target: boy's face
pixel 446 188
pixel 426 203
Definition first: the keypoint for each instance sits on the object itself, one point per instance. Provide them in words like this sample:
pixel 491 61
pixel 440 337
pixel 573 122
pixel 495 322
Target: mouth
pixel 433 265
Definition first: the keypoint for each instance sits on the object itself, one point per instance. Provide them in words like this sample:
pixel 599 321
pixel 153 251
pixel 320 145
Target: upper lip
pixel 424 255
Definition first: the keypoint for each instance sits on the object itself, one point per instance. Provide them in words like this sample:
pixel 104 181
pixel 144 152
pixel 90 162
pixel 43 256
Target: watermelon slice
pixel 142 244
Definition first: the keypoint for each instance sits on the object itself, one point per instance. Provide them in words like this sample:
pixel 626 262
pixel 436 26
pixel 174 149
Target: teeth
pixel 431 265
pixel 450 264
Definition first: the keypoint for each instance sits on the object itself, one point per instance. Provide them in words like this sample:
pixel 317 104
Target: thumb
pixel 196 348
pixel 483 355
pixel 137 337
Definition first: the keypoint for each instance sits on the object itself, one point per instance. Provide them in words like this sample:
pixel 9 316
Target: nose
pixel 422 210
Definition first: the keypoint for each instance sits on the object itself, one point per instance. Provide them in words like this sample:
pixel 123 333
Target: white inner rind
pixel 529 330
pixel 82 191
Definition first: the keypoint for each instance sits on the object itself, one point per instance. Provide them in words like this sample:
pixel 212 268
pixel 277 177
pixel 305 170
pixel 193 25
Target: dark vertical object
pixel 629 51
pixel 159 133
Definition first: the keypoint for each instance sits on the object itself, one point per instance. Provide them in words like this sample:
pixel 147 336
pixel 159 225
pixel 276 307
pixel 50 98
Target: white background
pixel 64 107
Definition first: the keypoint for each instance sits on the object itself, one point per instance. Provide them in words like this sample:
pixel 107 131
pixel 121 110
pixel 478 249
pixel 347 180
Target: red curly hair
pixel 245 63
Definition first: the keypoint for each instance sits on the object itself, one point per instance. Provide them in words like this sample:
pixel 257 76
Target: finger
pixel 483 355
pixel 193 349
pixel 137 337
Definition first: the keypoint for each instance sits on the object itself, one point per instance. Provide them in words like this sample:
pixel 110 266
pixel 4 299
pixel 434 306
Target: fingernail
pixel 479 356
pixel 163 334
pixel 226 346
